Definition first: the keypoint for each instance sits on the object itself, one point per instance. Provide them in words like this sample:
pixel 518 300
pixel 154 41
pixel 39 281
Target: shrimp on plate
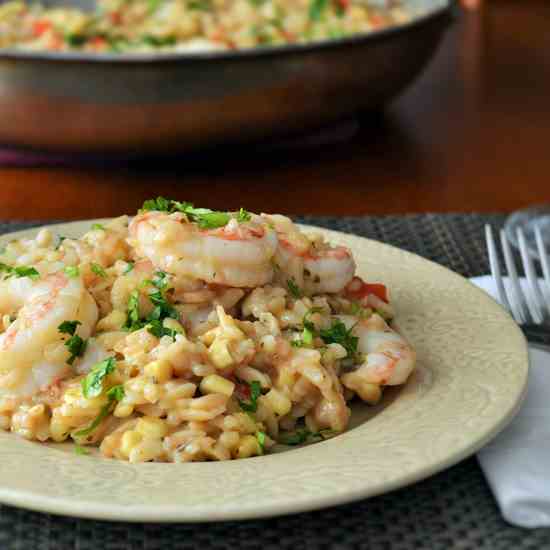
pixel 32 351
pixel 236 255
pixel 314 266
pixel 388 358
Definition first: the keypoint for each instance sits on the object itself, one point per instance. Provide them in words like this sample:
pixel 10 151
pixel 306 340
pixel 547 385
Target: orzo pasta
pixel 191 25
pixel 187 334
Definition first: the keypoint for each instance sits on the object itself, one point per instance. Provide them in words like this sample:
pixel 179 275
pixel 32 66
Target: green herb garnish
pixel 255 392
pixel 316 9
pixel 98 226
pixel 116 393
pixel 98 270
pixel 21 271
pixel 132 315
pixel 243 216
pixel 152 40
pixel 157 329
pixel 72 271
pixel 260 437
pixel 204 217
pixel 293 288
pixel 199 5
pixel 92 385
pixel 24 271
pixel 79 450
pixel 74 39
pixel 339 334
pixel 103 413
pixel 68 327
pixel 75 344
pixel 129 267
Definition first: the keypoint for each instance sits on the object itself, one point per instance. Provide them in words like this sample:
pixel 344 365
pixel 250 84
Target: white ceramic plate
pixel 472 373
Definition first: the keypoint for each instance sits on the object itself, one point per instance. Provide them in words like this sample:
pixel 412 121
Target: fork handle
pixel 537 334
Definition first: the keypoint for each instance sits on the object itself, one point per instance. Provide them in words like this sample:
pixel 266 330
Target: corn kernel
pixel 278 401
pixel 123 411
pixel 370 393
pixel 114 321
pixel 213 383
pixel 161 371
pixel 219 354
pixel 248 446
pixel 129 440
pixel 151 427
pixel 229 440
pixel 148 449
pixel 59 431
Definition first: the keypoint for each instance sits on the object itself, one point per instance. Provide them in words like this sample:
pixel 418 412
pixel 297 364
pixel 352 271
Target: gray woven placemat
pixel 450 511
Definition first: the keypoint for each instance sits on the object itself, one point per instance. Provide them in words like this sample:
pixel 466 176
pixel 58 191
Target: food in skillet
pixel 187 334
pixel 190 25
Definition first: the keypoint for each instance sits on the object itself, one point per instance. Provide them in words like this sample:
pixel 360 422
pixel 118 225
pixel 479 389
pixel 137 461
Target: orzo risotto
pixel 190 25
pixel 187 334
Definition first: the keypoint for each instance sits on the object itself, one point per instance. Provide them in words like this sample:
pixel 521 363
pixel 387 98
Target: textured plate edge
pixel 173 514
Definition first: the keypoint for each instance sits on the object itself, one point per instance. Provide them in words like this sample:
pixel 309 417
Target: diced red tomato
pixel 40 27
pixel 242 391
pixel 344 4
pixel 98 42
pixel 357 289
pixel 115 17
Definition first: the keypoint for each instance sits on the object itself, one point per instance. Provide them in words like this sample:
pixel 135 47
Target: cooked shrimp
pixel 315 267
pixel 237 255
pixel 389 358
pixel 32 351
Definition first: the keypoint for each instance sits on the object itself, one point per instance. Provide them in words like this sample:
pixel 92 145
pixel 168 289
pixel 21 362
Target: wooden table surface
pixel 472 134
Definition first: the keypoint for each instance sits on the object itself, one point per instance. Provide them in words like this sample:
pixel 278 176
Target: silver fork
pixel 529 307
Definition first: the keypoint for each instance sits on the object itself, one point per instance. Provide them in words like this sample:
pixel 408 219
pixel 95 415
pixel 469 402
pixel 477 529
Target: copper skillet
pixel 167 102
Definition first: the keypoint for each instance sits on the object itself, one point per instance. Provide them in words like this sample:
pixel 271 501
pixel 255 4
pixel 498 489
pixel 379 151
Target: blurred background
pixel 470 134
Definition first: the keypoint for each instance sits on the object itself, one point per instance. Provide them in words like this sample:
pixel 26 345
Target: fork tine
pixel 545 267
pixel 495 271
pixel 533 296
pixel 515 289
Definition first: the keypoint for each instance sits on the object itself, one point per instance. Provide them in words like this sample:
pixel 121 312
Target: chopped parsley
pixel 92 385
pixel 103 413
pixel 316 9
pixel 200 5
pixel 129 267
pixel 68 327
pixel 153 40
pixel 132 316
pixel 98 226
pixel 302 435
pixel 156 328
pixel 308 331
pixel 162 310
pixel 116 393
pixel 74 39
pixel 293 288
pixel 339 334
pixel 72 271
pixel 98 270
pixel 21 271
pixel 204 217
pixel 252 404
pixel 243 216
pixel 79 450
pixel 260 437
